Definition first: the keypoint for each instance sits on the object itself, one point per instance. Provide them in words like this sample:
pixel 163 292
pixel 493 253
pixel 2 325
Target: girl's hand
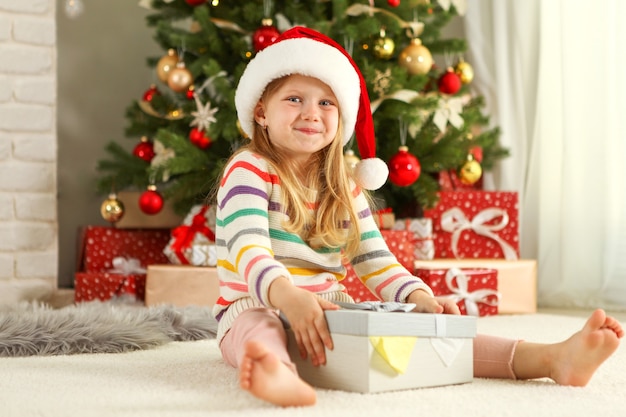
pixel 305 312
pixel 424 303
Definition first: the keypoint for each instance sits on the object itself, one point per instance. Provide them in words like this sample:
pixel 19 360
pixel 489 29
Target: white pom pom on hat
pixel 304 51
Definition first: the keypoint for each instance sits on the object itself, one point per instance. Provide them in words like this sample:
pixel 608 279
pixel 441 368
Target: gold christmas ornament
pixel 383 47
pixel 166 64
pixel 180 78
pixel 416 58
pixel 112 209
pixel 471 171
pixel 464 71
pixel 351 159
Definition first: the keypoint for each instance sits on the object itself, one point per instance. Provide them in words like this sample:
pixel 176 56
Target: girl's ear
pixel 259 113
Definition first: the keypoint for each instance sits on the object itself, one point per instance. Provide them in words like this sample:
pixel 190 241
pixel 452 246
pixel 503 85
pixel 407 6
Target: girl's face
pixel 302 116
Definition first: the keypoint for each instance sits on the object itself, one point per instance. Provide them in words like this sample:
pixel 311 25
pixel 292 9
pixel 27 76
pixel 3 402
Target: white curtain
pixel 552 72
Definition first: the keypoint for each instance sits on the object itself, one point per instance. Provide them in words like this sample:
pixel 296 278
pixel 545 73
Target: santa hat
pixel 307 52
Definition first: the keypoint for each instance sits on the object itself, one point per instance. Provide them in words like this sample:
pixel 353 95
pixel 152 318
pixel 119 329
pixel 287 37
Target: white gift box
pixel 193 242
pixel 388 351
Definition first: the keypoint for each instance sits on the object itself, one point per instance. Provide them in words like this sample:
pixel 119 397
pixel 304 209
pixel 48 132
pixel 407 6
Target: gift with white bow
pixel 422 229
pixel 475 290
pixel 111 262
pixel 476 224
pixel 193 242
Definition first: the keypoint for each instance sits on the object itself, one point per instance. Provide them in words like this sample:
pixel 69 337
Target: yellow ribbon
pixel 395 350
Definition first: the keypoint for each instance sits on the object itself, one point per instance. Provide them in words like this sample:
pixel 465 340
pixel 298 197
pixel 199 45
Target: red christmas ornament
pixel 144 150
pixel 265 35
pixel 195 3
pixel 450 82
pixel 190 92
pixel 393 3
pixel 150 93
pixel 150 201
pixel 477 153
pixel 404 168
pixel 199 138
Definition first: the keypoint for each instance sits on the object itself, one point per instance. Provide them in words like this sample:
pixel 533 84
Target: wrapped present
pixel 476 224
pixel 355 288
pixel 401 244
pixel 181 285
pixel 475 290
pixel 384 218
pixel 135 218
pixel 103 286
pixel 127 278
pixel 450 181
pixel 422 228
pixel 517 280
pixel 193 242
pixel 377 351
pixel 99 245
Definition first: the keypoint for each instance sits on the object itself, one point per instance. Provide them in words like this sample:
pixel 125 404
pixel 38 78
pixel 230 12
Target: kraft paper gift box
pixel 387 351
pixel 475 290
pixel 384 218
pixel 517 280
pixel 182 285
pixel 475 224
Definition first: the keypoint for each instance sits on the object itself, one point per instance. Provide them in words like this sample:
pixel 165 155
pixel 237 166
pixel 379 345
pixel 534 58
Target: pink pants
pixel 493 356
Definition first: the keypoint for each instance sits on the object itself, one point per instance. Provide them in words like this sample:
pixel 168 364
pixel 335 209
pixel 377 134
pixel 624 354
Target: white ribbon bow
pixel 454 221
pixel 127 266
pixel 471 299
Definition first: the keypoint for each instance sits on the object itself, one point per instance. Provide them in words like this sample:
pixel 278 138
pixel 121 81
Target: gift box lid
pixel 377 323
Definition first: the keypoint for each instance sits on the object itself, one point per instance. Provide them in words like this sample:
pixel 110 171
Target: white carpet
pixel 190 379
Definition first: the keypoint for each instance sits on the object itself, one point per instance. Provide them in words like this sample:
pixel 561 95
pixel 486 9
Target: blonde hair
pixel 334 223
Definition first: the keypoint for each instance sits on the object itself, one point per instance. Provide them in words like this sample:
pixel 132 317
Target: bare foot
pixel 578 357
pixel 269 379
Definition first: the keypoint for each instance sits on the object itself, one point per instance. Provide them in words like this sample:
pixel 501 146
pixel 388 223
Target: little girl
pixel 289 210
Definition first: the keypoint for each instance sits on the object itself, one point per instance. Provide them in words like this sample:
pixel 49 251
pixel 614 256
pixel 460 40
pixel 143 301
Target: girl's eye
pixel 326 103
pixel 294 99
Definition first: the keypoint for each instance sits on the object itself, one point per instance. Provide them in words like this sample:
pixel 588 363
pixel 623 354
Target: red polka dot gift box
pixel 475 290
pixel 403 244
pixel 111 262
pixel 476 224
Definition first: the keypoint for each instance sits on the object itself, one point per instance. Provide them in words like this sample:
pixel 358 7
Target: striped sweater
pixel 253 248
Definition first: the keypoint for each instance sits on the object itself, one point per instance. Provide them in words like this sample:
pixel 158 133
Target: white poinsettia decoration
pixel 459 5
pixel 204 116
pixel 161 156
pixel 449 110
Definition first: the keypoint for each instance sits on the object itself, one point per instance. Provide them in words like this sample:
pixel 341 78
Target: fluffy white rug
pixel 190 379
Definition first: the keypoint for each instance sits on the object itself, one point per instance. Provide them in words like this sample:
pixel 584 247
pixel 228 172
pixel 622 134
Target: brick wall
pixel 28 141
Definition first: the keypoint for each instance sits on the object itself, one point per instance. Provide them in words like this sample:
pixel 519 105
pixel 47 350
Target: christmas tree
pixel 185 127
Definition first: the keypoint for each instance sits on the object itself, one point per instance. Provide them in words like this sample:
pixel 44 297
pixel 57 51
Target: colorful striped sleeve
pixel 245 202
pixel 376 265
